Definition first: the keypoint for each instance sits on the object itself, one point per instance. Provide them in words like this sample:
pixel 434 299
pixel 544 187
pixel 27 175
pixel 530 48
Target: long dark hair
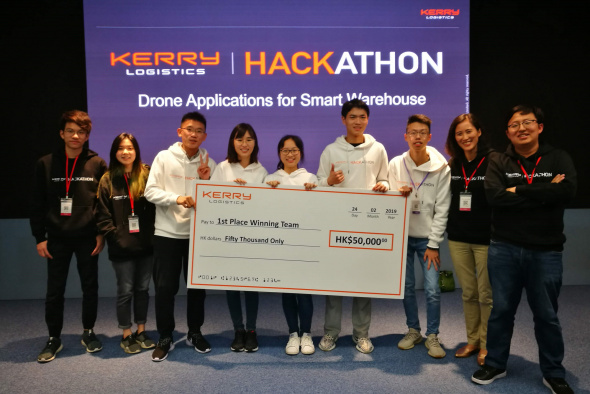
pixel 139 172
pixel 452 147
pixel 238 132
pixel 298 142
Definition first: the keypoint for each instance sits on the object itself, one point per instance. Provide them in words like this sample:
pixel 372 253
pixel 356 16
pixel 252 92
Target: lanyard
pixel 411 180
pixel 129 194
pixel 69 180
pixel 529 179
pixel 471 177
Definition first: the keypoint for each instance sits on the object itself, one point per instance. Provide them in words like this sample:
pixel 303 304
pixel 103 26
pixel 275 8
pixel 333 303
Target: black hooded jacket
pixel 532 217
pixel 50 187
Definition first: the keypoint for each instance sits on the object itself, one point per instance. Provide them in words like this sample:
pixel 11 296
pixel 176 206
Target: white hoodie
pixel 434 194
pixel 173 174
pixel 298 177
pixel 363 166
pixel 228 172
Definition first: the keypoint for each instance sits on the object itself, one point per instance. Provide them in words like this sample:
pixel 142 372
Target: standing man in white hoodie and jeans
pixel 422 175
pixel 357 161
pixel 170 189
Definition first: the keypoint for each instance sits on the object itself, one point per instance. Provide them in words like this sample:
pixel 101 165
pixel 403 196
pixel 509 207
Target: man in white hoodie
pixel 422 175
pixel 170 188
pixel 356 161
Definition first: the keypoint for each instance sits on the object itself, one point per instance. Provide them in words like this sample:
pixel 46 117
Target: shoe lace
pixel 433 341
pixel 328 338
pixel 164 341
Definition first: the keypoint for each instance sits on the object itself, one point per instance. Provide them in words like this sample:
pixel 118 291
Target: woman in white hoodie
pixel 242 166
pixel 298 308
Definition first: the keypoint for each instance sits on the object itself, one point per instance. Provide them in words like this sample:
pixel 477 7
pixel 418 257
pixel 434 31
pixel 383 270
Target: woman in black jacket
pixel 468 228
pixel 126 219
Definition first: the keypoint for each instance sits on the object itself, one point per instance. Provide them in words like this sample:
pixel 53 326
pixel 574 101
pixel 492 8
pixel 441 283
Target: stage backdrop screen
pixel 285 67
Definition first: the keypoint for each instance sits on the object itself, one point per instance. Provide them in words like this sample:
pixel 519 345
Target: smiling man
pixel 528 188
pixel 170 189
pixel 423 176
pixel 63 224
pixel 355 160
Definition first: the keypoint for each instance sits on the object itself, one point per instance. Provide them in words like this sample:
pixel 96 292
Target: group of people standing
pixel 513 199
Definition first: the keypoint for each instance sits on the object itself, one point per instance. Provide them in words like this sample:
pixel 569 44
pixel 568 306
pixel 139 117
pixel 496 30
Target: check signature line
pixel 259 258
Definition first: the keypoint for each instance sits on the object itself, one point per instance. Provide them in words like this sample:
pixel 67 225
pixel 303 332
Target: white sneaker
pixel 363 345
pixel 412 338
pixel 328 343
pixel 434 347
pixel 293 344
pixel 307 344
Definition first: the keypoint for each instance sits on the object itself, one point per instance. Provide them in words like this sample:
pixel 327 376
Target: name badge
pixel 133 224
pixel 416 206
pixel 465 201
pixel 66 206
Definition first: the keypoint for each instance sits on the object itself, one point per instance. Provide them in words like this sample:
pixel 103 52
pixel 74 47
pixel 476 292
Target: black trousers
pixel 62 250
pixel 170 258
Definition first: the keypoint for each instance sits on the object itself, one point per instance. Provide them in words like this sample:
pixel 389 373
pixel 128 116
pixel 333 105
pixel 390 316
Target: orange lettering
pixel 142 59
pixel 120 59
pixel 279 58
pixel 189 57
pixel 261 63
pixel 209 61
pixel 164 57
pixel 294 58
pixel 322 62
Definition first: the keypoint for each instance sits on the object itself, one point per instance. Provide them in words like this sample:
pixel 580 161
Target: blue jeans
pixel 417 246
pixel 512 268
pixel 133 284
pixel 298 310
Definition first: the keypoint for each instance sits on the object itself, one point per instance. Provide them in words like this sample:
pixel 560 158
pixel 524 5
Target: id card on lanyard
pixel 465 196
pixel 133 220
pixel 416 204
pixel 67 203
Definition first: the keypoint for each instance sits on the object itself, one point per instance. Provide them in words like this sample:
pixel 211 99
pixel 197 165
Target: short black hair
pixel 199 117
pixel 354 103
pixel 419 118
pixel 525 110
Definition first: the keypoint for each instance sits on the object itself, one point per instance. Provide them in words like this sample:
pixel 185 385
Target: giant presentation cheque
pixel 290 240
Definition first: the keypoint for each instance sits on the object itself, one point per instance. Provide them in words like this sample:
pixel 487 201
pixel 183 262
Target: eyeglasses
pixel 526 123
pixel 414 134
pixel 193 131
pixel 290 151
pixel 81 132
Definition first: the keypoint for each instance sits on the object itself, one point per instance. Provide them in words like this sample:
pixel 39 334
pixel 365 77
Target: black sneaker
pixel 239 341
pixel 52 347
pixel 164 346
pixel 487 374
pixel 558 386
pixel 196 339
pixel 144 341
pixel 130 345
pixel 251 341
pixel 90 341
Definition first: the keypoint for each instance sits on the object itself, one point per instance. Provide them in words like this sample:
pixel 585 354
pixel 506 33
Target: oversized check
pixel 333 241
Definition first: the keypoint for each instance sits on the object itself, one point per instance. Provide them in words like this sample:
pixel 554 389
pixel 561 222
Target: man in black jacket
pixel 63 224
pixel 528 188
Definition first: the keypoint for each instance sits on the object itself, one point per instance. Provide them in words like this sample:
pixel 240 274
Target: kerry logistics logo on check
pixel 218 197
pixel 278 63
